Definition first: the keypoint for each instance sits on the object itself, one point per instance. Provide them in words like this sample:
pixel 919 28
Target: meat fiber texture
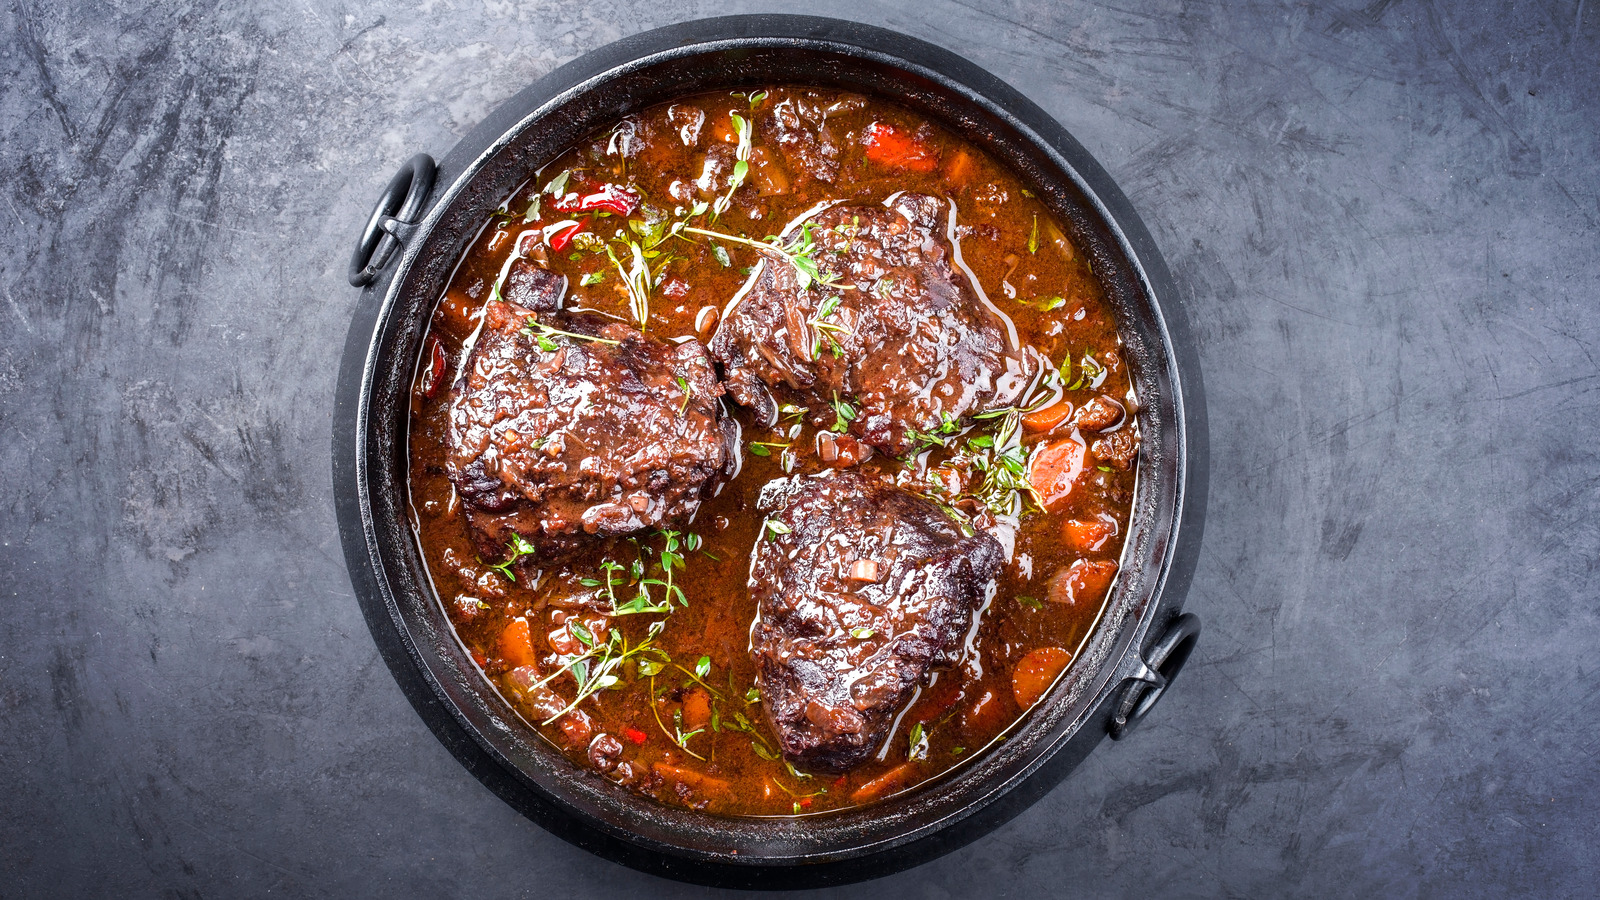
pixel 862 589
pixel 901 335
pixel 559 438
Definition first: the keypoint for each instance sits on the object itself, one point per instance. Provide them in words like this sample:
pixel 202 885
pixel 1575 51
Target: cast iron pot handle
pixel 393 220
pixel 1155 673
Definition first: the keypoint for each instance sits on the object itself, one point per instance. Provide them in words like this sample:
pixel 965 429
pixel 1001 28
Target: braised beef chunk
pixel 799 126
pixel 861 589
pixel 900 341
pixel 564 425
pixel 534 287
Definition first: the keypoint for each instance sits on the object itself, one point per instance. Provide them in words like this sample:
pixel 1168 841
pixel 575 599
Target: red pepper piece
pixel 635 735
pixel 890 146
pixel 609 198
pixel 560 240
pixel 433 375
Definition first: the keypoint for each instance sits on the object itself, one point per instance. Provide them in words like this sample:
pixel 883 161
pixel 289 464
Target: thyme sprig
pixel 596 668
pixel 800 254
pixel 742 129
pixel 519 548
pixel 544 335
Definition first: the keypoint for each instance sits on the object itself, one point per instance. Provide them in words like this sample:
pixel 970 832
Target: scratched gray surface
pixel 1384 224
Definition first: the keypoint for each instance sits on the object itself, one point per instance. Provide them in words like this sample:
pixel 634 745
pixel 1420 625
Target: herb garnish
pixel 799 254
pixel 519 548
pixel 595 668
pixel 843 414
pixel 775 528
pixel 1090 372
pixel 543 335
pixel 741 165
pixel 825 329
pixel 919 743
pixel 636 277
pixel 688 391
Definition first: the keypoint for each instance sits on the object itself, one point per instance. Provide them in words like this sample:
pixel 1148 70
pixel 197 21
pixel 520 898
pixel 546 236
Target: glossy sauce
pixel 1048 597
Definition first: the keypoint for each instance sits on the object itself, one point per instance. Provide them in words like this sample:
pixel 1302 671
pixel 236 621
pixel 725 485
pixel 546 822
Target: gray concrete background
pixel 1383 221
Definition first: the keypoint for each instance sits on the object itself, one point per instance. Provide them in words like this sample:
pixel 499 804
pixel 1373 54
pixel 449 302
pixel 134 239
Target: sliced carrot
pixel 893 780
pixel 516 643
pixel 1087 537
pixel 696 709
pixel 1036 672
pixel 1054 470
pixel 1048 417
pixel 1085 581
pixel 891 146
pixel 689 778
pixel 958 168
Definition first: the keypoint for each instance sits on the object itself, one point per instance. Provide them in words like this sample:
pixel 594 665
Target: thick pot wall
pixel 410 625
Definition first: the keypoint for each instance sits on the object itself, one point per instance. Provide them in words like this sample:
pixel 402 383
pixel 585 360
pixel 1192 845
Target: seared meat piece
pixel 1117 449
pixel 534 287
pixel 861 588
pixel 903 340
pixel 590 432
pixel 799 125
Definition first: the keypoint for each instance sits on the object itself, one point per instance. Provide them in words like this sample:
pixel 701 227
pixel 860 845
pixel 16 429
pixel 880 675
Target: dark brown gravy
pixel 1017 254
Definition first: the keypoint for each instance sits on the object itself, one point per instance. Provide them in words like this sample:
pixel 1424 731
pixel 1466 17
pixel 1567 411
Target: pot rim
pixel 375 363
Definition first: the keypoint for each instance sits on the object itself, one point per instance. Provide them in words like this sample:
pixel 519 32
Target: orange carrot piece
pixel 1086 581
pixel 1036 672
pixel 890 146
pixel 1054 470
pixel 896 778
pixel 516 643
pixel 1048 417
pixel 958 168
pixel 689 778
pixel 696 709
pixel 1087 537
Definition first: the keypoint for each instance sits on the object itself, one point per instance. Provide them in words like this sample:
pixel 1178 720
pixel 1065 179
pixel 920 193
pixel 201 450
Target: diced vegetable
pixel 516 643
pixel 689 778
pixel 958 168
pixel 864 570
pixel 1087 537
pixel 561 239
pixel 1054 470
pixel 891 146
pixel 635 735
pixel 433 372
pixel 1047 418
pixel 1036 672
pixel 893 780
pixel 696 709
pixel 1085 581
pixel 609 198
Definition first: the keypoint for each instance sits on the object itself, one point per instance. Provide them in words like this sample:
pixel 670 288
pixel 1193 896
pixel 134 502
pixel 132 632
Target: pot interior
pixel 537 126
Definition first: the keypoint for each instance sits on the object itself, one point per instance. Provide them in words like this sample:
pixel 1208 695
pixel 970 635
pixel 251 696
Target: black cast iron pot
pixel 414 239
